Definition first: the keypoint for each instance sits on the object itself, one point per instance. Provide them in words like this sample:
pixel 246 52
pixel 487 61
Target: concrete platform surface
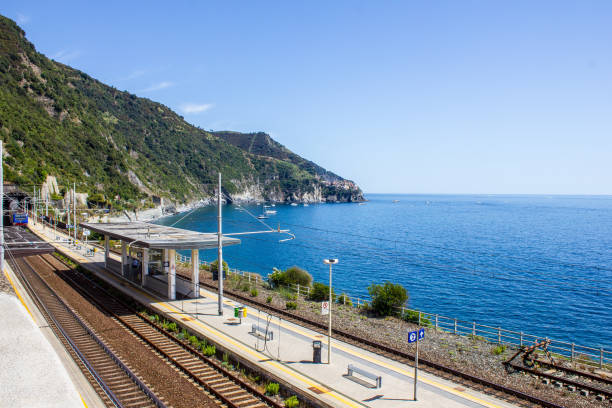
pixel 32 374
pixel 289 355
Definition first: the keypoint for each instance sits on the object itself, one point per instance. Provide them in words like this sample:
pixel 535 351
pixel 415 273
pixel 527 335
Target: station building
pixel 148 254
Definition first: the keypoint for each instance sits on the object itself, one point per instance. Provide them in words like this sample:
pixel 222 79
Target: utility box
pixel 316 351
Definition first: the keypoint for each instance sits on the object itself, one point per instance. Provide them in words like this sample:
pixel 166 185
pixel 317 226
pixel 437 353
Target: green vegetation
pixel 387 299
pixel 254 292
pixel 123 150
pixel 214 267
pixel 291 305
pixel 497 350
pixel 343 299
pixel 412 316
pixel 272 389
pixel 292 276
pixel 288 294
pixel 269 299
pixel 292 402
pixel 210 350
pixel 320 292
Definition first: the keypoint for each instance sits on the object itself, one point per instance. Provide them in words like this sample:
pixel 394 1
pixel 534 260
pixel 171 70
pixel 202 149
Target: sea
pixel 532 263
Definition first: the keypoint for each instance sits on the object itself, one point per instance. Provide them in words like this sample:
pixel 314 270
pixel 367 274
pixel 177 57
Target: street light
pixel 330 262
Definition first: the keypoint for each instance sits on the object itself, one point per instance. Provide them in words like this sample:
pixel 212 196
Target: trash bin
pixel 316 351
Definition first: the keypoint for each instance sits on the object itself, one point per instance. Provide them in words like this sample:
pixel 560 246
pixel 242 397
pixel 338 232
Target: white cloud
pixel 158 86
pixel 22 19
pixel 65 56
pixel 195 108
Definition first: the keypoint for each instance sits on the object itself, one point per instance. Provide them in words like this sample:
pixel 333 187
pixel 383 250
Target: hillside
pixel 129 151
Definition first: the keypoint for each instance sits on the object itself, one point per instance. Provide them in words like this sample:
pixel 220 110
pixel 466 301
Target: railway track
pixel 112 379
pixel 229 389
pixel 575 380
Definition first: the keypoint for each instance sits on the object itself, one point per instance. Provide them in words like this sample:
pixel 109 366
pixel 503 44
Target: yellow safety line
pixel 311 336
pixel 18 294
pixel 82 400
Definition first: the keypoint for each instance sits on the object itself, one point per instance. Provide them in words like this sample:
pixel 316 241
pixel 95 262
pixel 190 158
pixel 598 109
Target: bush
pixel 292 402
pixel 497 350
pixel 194 341
pixel 293 275
pixel 269 299
pixel 320 292
pixel 387 298
pixel 215 272
pixel 210 350
pixel 291 305
pixel 172 327
pixel 343 299
pixel 272 389
pixel 254 292
pixel 413 316
pixel 288 294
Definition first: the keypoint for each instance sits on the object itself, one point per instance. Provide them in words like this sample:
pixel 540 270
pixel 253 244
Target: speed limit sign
pixel 324 308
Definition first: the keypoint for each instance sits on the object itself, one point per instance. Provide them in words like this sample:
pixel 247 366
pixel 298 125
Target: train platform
pixel 36 369
pixel 288 354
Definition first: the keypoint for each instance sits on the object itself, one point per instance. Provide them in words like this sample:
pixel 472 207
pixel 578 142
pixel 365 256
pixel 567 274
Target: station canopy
pixel 146 235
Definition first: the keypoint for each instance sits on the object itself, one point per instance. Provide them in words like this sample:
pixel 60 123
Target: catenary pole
pixel 220 250
pixel 1 211
pixel 74 211
pixel 416 366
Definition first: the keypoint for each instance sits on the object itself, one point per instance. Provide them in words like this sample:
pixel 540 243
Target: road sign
pixel 86 232
pixel 412 336
pixel 324 308
pixel 421 334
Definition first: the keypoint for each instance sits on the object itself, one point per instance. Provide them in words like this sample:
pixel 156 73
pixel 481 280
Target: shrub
pixel 387 298
pixel 272 389
pixel 497 350
pixel 288 294
pixel 194 341
pixel 210 350
pixel 293 275
pixel 245 287
pixel 291 305
pixel 215 272
pixel 172 327
pixel 269 299
pixel 183 334
pixel 254 292
pixel 292 402
pixel 413 316
pixel 343 299
pixel 320 292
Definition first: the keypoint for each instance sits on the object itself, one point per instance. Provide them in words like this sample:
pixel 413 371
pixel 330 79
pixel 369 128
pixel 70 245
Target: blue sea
pixel 537 264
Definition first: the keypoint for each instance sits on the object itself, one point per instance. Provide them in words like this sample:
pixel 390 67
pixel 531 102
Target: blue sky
pixel 404 97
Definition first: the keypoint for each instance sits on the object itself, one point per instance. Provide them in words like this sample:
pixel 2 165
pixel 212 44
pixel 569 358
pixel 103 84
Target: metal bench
pixel 354 369
pixel 261 332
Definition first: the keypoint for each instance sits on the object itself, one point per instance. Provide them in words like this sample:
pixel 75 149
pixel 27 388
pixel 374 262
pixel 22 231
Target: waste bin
pixel 316 351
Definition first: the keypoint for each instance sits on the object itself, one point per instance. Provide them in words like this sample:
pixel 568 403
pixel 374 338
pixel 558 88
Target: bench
pixel 354 369
pixel 261 332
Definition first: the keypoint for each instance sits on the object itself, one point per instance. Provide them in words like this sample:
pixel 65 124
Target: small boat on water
pixel 293 204
pixel 270 212
pixel 305 204
pixel 262 217
pixel 362 203
pixel 396 201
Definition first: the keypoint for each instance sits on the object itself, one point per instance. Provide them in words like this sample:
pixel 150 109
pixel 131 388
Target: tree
pixel 215 271
pixel 320 292
pixel 387 299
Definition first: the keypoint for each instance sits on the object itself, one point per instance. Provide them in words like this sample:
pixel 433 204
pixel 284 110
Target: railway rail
pixel 112 379
pixel 207 373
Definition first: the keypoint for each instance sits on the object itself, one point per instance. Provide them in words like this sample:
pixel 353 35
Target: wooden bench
pixel 354 369
pixel 262 332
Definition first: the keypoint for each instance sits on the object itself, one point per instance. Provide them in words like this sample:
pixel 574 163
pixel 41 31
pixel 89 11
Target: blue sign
pixel 20 218
pixel 421 334
pixel 414 335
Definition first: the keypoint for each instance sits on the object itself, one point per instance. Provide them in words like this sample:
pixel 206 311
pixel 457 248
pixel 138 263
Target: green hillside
pixel 118 147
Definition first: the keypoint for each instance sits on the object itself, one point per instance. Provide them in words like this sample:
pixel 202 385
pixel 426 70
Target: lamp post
pixel 330 262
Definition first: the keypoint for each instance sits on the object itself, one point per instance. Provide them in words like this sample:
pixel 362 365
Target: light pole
pixel 330 262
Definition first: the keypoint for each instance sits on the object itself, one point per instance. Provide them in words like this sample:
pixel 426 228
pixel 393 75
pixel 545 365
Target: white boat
pixel 270 211
pixel 293 204
pixel 305 204
pixel 262 217
pixel 396 201
pixel 362 203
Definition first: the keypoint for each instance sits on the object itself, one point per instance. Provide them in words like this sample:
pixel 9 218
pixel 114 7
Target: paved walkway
pixel 32 374
pixel 289 355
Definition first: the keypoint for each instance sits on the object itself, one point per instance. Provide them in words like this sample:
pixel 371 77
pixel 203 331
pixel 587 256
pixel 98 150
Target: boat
pixel 293 204
pixel 262 217
pixel 362 203
pixel 396 201
pixel 270 212
pixel 305 204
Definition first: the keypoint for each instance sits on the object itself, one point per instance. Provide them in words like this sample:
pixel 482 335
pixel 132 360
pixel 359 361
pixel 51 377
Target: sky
pixel 482 97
